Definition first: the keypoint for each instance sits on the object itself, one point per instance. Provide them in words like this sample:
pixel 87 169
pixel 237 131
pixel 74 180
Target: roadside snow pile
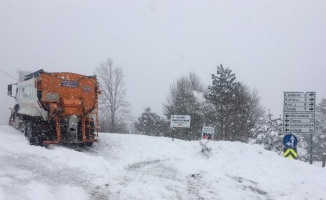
pixel 142 167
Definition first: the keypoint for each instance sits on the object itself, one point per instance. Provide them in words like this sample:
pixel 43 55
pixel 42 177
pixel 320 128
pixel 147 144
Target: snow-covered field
pixel 142 167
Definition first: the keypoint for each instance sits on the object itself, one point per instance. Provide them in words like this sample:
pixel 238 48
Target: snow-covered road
pixel 141 167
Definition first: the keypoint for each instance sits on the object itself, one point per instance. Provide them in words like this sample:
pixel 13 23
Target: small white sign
pixel 298 115
pixel 207 132
pixel 180 121
pixel 299 130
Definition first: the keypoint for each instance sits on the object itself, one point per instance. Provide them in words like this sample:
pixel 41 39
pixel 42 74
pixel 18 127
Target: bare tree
pixel 114 109
pixel 257 111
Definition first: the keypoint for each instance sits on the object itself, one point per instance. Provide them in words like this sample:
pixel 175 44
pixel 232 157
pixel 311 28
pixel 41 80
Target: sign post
pixel 299 114
pixel 179 121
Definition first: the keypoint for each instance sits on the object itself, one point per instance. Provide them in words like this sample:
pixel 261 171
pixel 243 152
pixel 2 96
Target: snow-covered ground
pixel 142 167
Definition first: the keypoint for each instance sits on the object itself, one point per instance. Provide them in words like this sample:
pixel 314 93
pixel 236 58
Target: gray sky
pixel 273 46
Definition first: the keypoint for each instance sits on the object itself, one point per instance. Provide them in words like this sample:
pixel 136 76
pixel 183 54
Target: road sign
pixel 299 109
pixel 290 153
pixel 290 141
pixel 299 101
pixel 299 115
pixel 299 94
pixel 304 120
pixel 180 121
pixel 207 132
pixel 299 112
pixel 299 130
pixel 298 122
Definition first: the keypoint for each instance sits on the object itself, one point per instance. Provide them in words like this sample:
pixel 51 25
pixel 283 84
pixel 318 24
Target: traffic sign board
pixel 299 125
pixel 299 109
pixel 180 121
pixel 299 130
pixel 299 102
pixel 290 153
pixel 290 141
pixel 298 115
pixel 208 130
pixel 299 112
pixel 298 122
pixel 299 94
pixel 298 99
pixel 305 120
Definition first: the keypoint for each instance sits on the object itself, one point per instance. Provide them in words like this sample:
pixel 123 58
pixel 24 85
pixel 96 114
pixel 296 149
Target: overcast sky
pixel 273 46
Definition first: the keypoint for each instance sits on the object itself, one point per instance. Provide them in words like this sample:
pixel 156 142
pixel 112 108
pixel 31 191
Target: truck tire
pixel 89 144
pixel 29 127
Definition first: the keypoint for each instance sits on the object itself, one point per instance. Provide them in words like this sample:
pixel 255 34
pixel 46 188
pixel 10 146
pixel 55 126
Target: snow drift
pixel 142 167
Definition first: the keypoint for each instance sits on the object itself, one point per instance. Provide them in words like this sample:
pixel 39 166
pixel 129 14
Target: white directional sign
pixel 299 112
pixel 180 121
pixel 208 130
pixel 299 101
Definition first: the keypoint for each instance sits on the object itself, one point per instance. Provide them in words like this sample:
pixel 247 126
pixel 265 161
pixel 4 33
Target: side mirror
pixel 10 90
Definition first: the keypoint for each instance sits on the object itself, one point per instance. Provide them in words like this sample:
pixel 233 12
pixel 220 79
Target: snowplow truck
pixel 53 108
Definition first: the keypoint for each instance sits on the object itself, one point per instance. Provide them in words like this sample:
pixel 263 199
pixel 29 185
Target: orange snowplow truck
pixel 54 108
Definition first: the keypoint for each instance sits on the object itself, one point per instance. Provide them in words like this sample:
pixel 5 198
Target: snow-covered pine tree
pixel 233 109
pixel 268 132
pixel 182 101
pixel 219 95
pixel 150 123
pixel 319 137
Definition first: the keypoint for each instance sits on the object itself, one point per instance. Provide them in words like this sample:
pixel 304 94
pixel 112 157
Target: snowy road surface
pixel 142 167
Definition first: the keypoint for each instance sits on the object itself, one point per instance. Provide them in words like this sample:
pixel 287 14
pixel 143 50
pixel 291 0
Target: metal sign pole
pixel 310 148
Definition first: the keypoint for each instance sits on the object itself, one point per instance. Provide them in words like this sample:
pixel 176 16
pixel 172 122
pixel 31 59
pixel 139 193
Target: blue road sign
pixel 290 141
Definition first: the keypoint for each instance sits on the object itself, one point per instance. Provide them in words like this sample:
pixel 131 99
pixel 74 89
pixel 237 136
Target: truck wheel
pixel 22 128
pixel 29 133
pixel 89 144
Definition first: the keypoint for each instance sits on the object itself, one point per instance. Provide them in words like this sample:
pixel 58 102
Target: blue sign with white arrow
pixel 290 141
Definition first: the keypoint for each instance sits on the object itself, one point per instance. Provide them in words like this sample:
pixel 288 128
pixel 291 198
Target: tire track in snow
pixel 24 169
pixel 158 175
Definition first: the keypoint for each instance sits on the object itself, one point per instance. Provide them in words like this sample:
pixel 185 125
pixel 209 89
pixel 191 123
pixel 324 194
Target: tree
pixel 149 123
pixel 319 137
pixel 233 109
pixel 255 108
pixel 114 109
pixel 182 100
pixel 268 132
pixel 219 95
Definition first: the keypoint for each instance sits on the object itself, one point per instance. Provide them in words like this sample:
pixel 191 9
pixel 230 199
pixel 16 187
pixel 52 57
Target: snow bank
pixel 142 167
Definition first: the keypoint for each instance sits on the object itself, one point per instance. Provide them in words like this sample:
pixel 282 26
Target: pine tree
pixel 268 133
pixel 149 123
pixel 319 137
pixel 233 109
pixel 221 98
pixel 182 101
